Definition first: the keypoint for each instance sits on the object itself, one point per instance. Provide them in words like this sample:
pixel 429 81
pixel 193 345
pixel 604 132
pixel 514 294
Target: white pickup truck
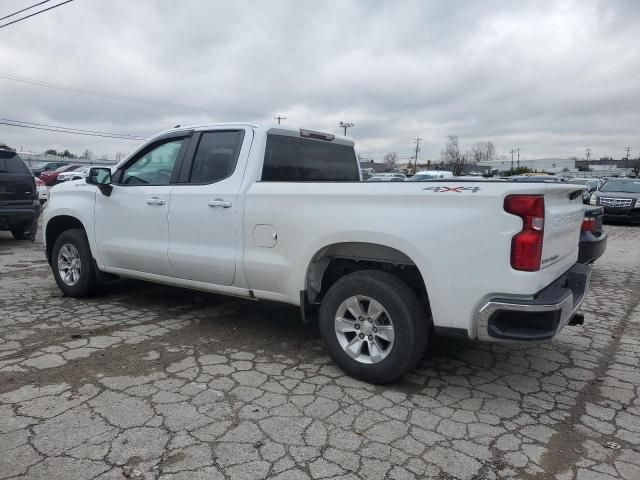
pixel 282 214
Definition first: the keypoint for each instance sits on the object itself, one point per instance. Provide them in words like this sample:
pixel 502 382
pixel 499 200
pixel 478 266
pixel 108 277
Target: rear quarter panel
pixel 460 238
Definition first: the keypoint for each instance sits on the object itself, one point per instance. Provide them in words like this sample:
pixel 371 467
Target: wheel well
pixel 335 261
pixel 56 226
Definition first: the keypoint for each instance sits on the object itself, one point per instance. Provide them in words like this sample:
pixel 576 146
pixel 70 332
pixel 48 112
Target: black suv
pixel 19 205
pixel 620 199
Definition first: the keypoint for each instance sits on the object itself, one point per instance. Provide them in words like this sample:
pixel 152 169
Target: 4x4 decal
pixel 453 189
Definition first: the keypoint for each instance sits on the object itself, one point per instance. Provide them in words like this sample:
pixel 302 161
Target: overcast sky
pixel 551 78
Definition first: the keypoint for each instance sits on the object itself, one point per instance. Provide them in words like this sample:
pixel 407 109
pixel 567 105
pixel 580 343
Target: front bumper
pixel 622 214
pixel 591 247
pixel 539 318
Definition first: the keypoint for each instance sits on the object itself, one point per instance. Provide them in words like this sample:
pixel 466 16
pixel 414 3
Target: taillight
pixel 589 224
pixel 526 246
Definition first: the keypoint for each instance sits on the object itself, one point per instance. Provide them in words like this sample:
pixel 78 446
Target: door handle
pixel 218 202
pixel 155 201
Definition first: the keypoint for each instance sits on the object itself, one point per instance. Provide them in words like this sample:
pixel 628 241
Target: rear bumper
pixel 539 318
pixel 591 247
pixel 19 216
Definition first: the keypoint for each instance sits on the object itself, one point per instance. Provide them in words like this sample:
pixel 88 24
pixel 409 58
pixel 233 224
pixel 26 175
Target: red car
pixel 49 178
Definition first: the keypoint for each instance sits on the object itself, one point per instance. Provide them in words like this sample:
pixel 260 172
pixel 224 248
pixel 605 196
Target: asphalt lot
pixel 146 381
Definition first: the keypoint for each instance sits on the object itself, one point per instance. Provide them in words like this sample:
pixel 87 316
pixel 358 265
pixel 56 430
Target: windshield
pixel 622 187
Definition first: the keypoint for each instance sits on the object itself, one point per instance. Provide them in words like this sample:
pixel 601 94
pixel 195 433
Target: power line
pixel 52 128
pixel 24 9
pixel 34 14
pixel 71 128
pixel 91 92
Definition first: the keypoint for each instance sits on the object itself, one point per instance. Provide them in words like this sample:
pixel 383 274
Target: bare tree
pixel 453 156
pixel 390 160
pixel 87 155
pixel 483 152
pixel 119 156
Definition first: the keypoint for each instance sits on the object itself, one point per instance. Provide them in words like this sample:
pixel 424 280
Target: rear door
pixel 563 218
pixel 203 212
pixel 17 184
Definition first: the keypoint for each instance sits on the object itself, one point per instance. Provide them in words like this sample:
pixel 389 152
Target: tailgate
pixel 16 190
pixel 564 212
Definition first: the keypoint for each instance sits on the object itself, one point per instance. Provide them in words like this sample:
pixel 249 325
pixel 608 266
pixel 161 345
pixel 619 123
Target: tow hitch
pixel 577 319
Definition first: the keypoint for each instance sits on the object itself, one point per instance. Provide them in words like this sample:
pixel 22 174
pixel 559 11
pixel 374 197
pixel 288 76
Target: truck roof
pixel 269 128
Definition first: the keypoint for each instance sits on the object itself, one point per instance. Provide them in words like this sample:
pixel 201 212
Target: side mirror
pixel 101 177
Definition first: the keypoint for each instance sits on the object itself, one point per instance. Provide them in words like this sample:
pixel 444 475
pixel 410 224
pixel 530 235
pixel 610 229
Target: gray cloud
pixel 550 78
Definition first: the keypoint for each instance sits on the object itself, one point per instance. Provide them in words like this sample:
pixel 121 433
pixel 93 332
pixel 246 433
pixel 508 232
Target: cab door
pixel 203 213
pixel 131 225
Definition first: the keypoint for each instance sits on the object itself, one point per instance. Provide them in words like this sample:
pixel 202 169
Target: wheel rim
pixel 69 264
pixel 364 329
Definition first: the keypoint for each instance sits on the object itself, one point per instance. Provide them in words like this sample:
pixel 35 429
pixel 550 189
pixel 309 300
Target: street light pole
pixel 345 125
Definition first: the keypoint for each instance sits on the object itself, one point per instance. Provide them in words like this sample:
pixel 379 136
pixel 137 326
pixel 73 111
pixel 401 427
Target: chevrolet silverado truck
pixel 282 214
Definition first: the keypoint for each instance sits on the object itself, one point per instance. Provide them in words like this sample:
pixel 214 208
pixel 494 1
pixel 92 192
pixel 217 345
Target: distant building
pixel 373 167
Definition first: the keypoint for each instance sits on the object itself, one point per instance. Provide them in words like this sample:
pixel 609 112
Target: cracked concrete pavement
pixel 147 381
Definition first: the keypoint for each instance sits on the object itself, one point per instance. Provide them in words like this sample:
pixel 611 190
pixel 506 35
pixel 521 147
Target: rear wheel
pixel 373 326
pixel 72 264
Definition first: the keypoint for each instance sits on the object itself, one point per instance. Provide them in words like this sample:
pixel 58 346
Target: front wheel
pixel 373 326
pixel 72 264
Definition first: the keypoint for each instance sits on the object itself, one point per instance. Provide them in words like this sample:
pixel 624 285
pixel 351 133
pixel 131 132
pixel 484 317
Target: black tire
pixel 87 282
pixel 18 233
pixel 409 322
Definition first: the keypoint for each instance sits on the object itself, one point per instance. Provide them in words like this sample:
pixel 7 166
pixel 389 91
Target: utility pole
pixel 415 165
pixel 512 152
pixel 518 157
pixel 346 125
pixel 279 118
pixel 628 149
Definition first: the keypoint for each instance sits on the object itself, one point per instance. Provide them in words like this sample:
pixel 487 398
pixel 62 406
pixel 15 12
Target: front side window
pixel 215 156
pixel 155 167
pixel 294 159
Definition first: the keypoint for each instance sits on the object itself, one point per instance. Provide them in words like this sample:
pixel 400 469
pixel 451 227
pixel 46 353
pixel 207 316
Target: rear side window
pixel 10 162
pixel 293 159
pixel 216 156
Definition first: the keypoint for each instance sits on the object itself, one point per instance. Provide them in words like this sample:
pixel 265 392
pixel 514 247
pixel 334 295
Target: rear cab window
pixel 297 159
pixel 10 162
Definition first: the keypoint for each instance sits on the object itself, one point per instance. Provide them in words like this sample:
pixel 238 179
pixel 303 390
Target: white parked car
pixel 43 191
pixel 277 214
pixel 427 175
pixel 79 174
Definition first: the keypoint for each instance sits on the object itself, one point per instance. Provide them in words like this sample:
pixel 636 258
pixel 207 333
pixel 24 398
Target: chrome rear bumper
pixel 539 318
